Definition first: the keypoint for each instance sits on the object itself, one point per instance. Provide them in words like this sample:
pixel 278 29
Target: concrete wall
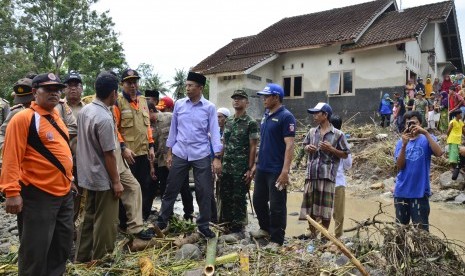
pixel 375 70
pixel 371 68
pixel 361 108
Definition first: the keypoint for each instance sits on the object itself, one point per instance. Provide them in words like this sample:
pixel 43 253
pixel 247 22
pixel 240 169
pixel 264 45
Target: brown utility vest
pixel 134 124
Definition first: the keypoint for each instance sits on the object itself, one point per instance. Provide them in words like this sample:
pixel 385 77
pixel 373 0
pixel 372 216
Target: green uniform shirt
pixel 237 135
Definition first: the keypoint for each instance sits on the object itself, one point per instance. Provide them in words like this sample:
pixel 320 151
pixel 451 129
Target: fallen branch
pixel 193 238
pixel 341 246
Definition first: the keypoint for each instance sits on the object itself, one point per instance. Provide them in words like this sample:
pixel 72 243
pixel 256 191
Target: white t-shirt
pixel 344 165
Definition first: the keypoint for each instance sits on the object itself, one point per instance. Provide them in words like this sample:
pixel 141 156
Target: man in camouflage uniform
pixel 240 145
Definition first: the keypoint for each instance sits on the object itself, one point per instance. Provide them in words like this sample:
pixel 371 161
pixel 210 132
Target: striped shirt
pixel 321 164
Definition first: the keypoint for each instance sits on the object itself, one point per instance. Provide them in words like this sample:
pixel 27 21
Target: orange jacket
pixel 22 163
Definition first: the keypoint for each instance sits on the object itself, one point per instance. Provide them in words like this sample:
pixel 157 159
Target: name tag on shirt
pixel 126 111
pixel 275 119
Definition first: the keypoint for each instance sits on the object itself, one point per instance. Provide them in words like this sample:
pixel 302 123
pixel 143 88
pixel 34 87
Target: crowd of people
pixel 434 100
pixel 80 168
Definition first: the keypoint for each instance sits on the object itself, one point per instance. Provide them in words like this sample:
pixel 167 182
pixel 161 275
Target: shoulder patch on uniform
pixel 16 107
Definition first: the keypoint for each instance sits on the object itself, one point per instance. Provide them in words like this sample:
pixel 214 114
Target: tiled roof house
pixel 344 56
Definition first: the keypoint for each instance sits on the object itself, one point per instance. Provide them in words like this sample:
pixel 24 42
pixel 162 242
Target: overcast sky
pixel 181 33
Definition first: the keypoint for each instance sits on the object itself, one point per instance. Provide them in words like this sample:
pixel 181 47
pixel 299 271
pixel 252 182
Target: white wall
pixel 439 45
pixel 413 56
pixel 380 67
pixel 221 90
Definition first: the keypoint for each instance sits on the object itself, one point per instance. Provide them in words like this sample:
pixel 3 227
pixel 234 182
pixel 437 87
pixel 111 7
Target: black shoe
pixel 206 233
pixel 188 217
pixel 455 173
pixel 144 235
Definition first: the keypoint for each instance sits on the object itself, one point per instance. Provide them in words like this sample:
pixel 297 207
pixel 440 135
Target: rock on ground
pixel 444 195
pixel 446 182
pixel 460 198
pixel 188 252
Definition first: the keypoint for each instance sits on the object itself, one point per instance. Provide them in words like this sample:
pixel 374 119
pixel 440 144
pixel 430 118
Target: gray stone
pixel 444 195
pixel 229 265
pixel 244 242
pixel 15 232
pixel 188 252
pixel 251 247
pixel 12 227
pixel 5 248
pixel 389 183
pixel 357 176
pixel 194 272
pixel 460 198
pixel 378 171
pixel 374 177
pixel 231 238
pixel 327 257
pixel 446 182
pixel 387 195
pixel 294 214
pixel 349 245
pixel 342 260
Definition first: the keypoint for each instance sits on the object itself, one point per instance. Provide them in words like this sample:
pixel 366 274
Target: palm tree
pixel 151 80
pixel 179 84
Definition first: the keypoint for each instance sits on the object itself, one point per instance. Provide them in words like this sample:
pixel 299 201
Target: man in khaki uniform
pixel 73 92
pixel 23 98
pixel 5 109
pixel 135 137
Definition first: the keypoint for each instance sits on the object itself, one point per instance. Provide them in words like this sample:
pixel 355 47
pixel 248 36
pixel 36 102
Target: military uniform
pixel 13 110
pixel 68 117
pixel 233 190
pixel 5 109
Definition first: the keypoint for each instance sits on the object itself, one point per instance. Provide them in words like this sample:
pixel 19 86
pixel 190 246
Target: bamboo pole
pixel 210 256
pixel 339 244
pixel 226 259
pixel 146 267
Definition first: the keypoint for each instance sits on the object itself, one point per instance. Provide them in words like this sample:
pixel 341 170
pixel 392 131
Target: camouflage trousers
pixel 233 192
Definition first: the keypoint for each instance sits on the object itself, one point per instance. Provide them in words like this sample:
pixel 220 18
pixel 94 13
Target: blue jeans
pixel 270 205
pixel 416 209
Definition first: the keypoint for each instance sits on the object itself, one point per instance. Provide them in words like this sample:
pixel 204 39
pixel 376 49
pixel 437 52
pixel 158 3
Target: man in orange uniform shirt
pixel 36 178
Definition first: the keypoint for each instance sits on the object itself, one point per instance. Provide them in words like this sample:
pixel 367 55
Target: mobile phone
pixel 409 126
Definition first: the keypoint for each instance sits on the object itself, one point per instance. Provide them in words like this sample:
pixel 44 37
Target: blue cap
pixel 321 107
pixel 272 89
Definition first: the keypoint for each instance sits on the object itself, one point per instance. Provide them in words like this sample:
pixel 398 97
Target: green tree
pixel 206 90
pixel 179 84
pixel 64 35
pixel 150 79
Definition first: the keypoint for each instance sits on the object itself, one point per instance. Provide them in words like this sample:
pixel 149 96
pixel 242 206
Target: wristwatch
pixel 218 156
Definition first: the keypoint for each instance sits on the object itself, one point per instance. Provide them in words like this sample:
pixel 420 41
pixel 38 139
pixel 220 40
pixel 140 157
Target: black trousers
pixel 186 195
pixel 141 171
pixel 203 188
pixel 270 205
pixel 45 228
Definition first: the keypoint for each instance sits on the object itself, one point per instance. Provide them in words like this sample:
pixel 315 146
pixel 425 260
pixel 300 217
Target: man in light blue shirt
pixel 188 145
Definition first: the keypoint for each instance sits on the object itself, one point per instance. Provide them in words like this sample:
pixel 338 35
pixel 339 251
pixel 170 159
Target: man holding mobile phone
pixel 413 160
